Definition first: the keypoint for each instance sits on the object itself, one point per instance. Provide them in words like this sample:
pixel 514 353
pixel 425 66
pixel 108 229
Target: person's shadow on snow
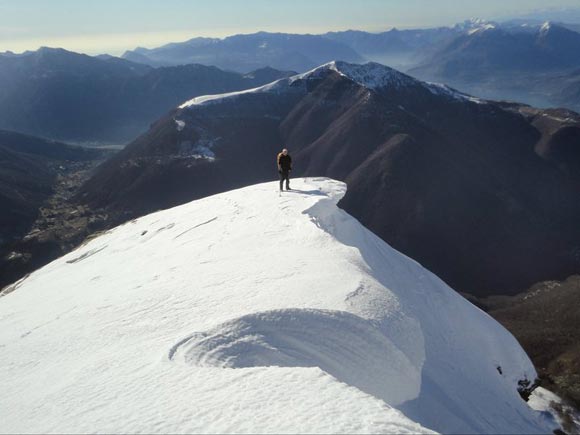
pixel 306 192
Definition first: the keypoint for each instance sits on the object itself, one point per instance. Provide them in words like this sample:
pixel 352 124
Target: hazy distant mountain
pixel 482 193
pixel 495 50
pixel 68 96
pixel 520 59
pixel 244 53
pixel 396 48
pixel 297 52
pixel 569 90
pixel 573 27
pixel 517 61
pixel 402 48
pixel 568 15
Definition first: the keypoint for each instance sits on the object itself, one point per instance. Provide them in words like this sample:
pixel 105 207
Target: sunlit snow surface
pixel 253 312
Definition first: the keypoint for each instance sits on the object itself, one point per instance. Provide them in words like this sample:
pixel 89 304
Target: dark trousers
pixel 285 175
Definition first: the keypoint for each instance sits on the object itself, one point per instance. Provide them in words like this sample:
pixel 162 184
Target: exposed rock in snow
pixel 180 125
pixel 202 149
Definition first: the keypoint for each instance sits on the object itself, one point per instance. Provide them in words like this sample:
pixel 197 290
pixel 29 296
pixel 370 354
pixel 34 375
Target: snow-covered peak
pixel 475 25
pixel 370 75
pixel 251 311
pixel 545 27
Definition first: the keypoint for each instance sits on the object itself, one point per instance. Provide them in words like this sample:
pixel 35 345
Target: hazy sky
pixel 113 26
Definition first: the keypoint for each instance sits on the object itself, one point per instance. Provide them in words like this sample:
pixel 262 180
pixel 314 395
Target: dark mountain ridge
pixel 69 96
pixel 245 53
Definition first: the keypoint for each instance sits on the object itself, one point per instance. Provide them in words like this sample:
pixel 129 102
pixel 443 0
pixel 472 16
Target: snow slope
pixel 250 312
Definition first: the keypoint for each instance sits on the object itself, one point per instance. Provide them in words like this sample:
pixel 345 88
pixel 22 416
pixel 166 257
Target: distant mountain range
pixel 518 60
pixel 244 53
pixel 485 194
pixel 72 97
pixel 63 95
pixel 285 51
pixel 493 49
pixel 524 62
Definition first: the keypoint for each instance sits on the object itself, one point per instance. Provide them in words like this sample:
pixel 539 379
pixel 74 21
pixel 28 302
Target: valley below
pixel 61 224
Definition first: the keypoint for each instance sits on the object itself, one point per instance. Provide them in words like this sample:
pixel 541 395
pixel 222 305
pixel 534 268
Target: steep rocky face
pixel 544 319
pixel 484 194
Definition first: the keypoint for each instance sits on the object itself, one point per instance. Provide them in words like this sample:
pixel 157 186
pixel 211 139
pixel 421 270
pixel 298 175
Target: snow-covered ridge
pixel 253 312
pixel 371 75
pixel 277 86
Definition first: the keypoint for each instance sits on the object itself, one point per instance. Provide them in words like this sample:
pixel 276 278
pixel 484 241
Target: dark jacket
pixel 284 162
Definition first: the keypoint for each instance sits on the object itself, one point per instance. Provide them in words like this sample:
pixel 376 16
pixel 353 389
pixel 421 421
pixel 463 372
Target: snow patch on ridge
pixel 481 29
pixel 201 149
pixel 545 27
pixel 475 25
pixel 441 89
pixel 180 125
pixel 275 87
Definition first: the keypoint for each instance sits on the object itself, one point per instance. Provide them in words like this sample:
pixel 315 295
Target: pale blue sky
pixel 114 26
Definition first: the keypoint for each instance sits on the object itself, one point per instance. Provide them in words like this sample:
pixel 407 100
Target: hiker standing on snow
pixel 284 167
